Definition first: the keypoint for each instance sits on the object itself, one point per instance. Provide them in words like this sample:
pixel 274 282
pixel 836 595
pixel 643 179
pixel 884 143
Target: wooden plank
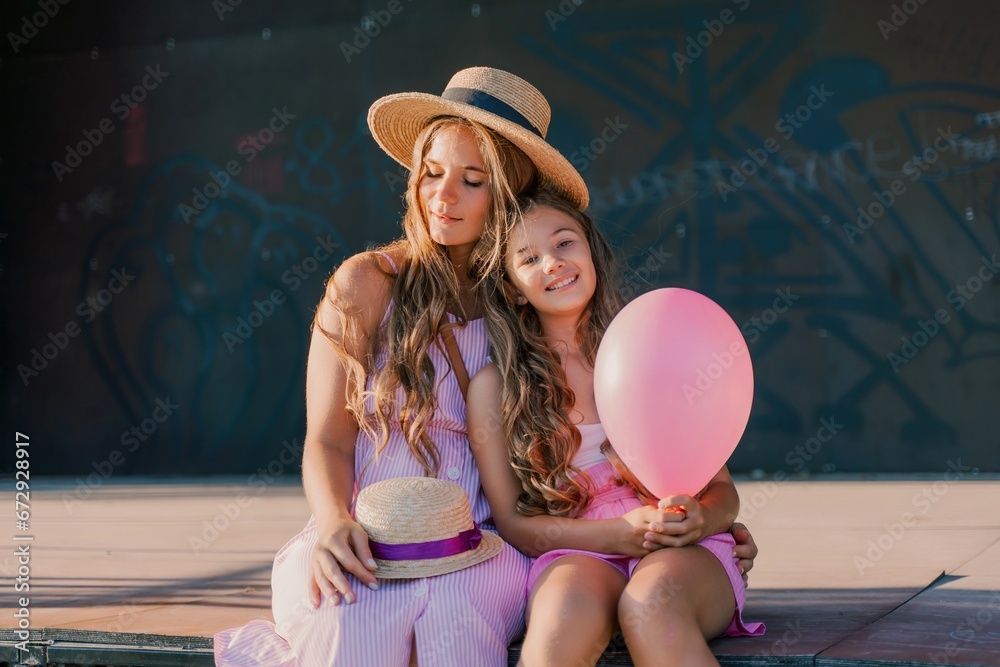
pixel 954 622
pixel 805 622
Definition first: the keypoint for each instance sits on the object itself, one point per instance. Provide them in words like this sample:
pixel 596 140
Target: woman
pixel 383 398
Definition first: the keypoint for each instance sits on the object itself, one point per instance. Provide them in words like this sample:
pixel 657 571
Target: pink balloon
pixel 674 385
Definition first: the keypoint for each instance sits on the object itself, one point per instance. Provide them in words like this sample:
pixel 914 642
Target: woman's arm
pixel 361 290
pixel 534 535
pixel 745 550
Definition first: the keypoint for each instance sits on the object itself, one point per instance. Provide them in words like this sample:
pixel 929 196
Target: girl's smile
pixel 550 265
pixel 563 283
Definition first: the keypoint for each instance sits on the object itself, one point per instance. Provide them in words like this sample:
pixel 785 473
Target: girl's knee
pixel 658 628
pixel 570 607
pixel 661 601
pixel 573 631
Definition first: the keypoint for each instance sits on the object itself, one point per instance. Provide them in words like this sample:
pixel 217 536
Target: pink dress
pixel 463 618
pixel 612 501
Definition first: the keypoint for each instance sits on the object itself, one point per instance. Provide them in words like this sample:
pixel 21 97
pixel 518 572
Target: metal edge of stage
pixel 107 649
pixel 112 649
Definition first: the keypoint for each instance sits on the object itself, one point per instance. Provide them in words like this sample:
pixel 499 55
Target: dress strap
pixel 388 259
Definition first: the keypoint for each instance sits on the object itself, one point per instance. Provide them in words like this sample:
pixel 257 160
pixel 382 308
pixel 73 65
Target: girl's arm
pixel 534 535
pixel 709 513
pixel 360 289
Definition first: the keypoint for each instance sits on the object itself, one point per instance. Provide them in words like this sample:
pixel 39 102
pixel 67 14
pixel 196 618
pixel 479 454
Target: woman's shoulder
pixel 367 275
pixel 385 259
pixel 389 257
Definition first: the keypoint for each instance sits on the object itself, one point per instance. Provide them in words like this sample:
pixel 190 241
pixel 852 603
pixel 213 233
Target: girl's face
pixel 549 263
pixel 455 188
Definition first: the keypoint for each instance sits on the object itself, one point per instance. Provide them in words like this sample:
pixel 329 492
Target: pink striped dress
pixel 463 618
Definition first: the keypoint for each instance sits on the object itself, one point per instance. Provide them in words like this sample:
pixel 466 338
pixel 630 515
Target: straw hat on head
pixel 505 103
pixel 421 527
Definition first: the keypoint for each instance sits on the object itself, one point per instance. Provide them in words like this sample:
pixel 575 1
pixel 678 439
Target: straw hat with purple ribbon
pixel 421 527
pixel 505 103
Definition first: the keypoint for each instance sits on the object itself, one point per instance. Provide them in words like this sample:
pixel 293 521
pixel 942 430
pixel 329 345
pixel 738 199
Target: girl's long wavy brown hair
pixel 535 397
pixel 425 288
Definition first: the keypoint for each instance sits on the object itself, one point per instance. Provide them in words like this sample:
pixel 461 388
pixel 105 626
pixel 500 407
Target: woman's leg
pixel 469 617
pixel 678 598
pixel 571 612
pixel 342 635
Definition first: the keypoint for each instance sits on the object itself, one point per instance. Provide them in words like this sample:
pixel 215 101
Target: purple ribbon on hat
pixel 467 540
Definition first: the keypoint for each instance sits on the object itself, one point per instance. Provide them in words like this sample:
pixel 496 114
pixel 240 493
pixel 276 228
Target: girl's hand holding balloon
pixel 693 518
pixel 683 522
pixel 636 537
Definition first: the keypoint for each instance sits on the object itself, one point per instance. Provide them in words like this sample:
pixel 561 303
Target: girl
pixel 535 434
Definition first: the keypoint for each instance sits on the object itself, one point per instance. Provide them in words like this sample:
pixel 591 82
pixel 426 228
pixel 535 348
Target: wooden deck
pixel 851 572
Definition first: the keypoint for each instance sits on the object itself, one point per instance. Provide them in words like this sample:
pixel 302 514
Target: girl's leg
pixel 571 612
pixel 678 598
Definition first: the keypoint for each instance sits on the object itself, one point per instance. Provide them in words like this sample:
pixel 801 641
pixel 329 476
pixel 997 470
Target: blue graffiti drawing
pixel 784 228
pixel 218 316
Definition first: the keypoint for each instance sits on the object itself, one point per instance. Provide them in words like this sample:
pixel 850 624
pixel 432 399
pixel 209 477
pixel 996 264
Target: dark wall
pixel 875 343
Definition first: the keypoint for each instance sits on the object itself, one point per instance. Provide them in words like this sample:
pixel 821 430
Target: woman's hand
pixel 342 546
pixel 682 522
pixel 745 549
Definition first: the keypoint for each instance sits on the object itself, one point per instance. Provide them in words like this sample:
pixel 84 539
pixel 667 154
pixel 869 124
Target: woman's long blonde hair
pixel 535 397
pixel 425 288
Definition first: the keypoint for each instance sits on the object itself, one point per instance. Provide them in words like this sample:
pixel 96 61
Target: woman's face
pixel 550 264
pixel 455 188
